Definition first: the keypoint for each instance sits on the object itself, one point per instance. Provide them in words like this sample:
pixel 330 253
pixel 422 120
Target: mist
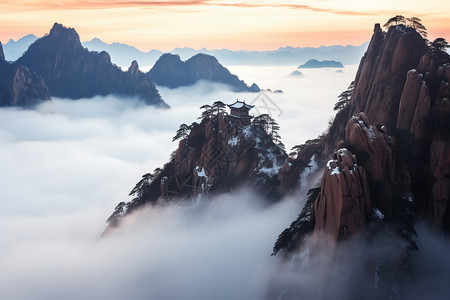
pixel 66 165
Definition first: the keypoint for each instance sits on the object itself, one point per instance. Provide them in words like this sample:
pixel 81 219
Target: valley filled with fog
pixel 66 164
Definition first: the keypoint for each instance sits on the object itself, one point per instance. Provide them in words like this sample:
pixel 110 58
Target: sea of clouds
pixel 66 164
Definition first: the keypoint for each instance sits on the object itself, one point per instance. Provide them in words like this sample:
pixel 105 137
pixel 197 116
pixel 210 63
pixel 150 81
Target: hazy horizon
pixel 257 25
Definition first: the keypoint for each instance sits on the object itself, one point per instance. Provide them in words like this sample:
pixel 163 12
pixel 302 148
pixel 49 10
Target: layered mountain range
pixel 57 65
pixel 123 54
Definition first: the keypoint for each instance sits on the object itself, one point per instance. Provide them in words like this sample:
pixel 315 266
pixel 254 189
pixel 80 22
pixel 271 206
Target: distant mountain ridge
pixel 123 54
pixel 172 72
pixel 15 49
pixel 282 56
pixel 315 64
pixel 71 71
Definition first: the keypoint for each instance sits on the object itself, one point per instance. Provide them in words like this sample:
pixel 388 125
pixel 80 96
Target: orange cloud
pixel 71 4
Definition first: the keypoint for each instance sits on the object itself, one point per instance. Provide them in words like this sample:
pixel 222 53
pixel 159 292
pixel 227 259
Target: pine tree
pixel 182 132
pixel 417 25
pixel 140 187
pixel 344 97
pixel 207 112
pixel 439 51
pixel 219 107
pixel 398 19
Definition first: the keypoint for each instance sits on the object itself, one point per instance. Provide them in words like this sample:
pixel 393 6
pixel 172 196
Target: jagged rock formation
pixel 71 71
pixel 218 155
pixel 343 204
pixel 382 73
pixel 172 72
pixel 19 86
pixel 378 172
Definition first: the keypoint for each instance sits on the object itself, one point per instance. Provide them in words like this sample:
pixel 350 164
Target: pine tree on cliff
pixel 439 51
pixel 416 24
pixel 219 107
pixel 344 97
pixel 397 20
pixel 182 132
pixel 271 127
pixel 118 213
pixel 207 113
pixel 140 187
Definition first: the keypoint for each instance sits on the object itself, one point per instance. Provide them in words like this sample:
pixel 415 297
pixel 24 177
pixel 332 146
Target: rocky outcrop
pixel 71 71
pixel 383 71
pixel 26 88
pixel 343 204
pixel 367 140
pixel 19 86
pixel 440 168
pixel 217 155
pixel 396 129
pixel 172 72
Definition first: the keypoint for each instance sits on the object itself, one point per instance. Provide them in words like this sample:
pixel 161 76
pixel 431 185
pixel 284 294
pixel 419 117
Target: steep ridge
pixel 72 71
pixel 217 155
pixel 172 72
pixel 19 86
pixel 396 171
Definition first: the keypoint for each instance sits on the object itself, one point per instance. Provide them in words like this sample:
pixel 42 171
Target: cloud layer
pixel 66 164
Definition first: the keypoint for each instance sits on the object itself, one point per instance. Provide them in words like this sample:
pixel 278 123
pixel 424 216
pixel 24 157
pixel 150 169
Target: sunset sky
pixel 252 25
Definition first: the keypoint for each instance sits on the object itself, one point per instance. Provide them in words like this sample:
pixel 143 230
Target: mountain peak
pixel 64 34
pixel 172 72
pixel 203 57
pixel 134 68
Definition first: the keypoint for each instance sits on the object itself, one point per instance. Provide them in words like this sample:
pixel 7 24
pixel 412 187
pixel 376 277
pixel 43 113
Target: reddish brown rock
pixel 362 136
pixel 440 169
pixel 422 110
pixel 342 206
pixel 382 73
pixel 408 99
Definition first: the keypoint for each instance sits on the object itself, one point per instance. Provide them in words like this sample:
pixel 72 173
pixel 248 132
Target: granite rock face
pixel 383 71
pixel 217 155
pixel 19 86
pixel 395 131
pixel 342 207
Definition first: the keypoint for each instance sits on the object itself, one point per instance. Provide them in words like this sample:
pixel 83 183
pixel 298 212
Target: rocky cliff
pixel 2 54
pixel 172 72
pixel 19 86
pixel 389 148
pixel 71 71
pixel 217 155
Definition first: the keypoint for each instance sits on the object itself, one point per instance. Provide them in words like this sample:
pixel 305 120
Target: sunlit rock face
pixel 71 71
pixel 389 146
pixel 342 207
pixel 382 73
